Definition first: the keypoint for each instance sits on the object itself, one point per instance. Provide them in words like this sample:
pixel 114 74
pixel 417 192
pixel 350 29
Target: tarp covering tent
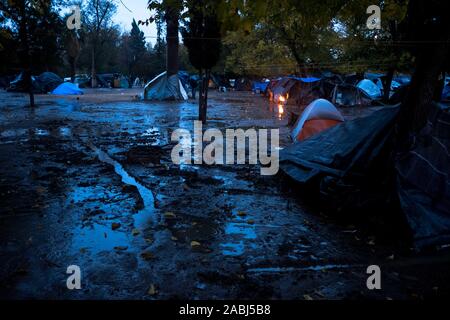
pixel 370 88
pixel 48 81
pixel 67 88
pixel 348 96
pixel 163 87
pixel 44 83
pixel 350 165
pixel 296 91
pixel 320 115
pixel 424 181
pixel 260 86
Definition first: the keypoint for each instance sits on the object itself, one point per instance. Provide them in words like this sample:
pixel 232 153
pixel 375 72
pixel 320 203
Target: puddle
pixel 238 229
pixel 98 238
pixel 147 214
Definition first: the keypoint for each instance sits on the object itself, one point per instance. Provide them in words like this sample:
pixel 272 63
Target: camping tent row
pixel 348 90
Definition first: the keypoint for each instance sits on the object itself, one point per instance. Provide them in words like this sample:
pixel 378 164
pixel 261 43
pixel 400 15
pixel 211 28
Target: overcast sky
pixel 139 11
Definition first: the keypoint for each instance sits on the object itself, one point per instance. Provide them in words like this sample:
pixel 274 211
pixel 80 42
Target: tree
pixel 97 21
pixel 427 31
pixel 202 37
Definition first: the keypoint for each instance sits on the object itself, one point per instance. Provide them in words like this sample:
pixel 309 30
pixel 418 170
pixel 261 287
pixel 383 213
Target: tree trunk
pixel 387 82
pixel 172 41
pixel 415 106
pixel 23 34
pixel 93 72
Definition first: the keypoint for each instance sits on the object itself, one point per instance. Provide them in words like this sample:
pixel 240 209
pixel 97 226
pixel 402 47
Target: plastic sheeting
pixel 370 88
pixel 318 109
pixel 165 88
pixel 67 88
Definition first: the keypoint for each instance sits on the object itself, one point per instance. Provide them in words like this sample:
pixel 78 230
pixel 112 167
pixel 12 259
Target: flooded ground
pixel 89 181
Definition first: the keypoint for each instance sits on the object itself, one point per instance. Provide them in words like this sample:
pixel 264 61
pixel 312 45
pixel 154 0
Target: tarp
pixel 165 88
pixel 319 109
pixel 67 88
pixel 260 87
pixel 423 181
pixel 370 88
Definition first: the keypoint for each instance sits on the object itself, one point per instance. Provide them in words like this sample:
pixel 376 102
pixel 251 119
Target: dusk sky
pixel 139 11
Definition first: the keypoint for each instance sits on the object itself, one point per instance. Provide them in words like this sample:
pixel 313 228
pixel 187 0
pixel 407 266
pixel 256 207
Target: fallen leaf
pixel 195 244
pixel 307 297
pixel 135 232
pixel 121 248
pixel 169 215
pixel 147 255
pixel 115 225
pixel 174 239
pixel 152 290
pixel 250 221
pixel 241 214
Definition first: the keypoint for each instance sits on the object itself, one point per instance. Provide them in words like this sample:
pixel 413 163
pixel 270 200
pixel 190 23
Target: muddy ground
pixel 89 181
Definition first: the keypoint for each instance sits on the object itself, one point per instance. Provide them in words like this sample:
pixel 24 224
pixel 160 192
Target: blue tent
pixel 67 88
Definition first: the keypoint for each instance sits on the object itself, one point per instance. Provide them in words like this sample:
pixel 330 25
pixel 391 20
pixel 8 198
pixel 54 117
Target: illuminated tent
pixel 370 88
pixel 320 115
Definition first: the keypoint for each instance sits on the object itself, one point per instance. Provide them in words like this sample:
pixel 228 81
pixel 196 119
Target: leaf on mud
pixel 135 232
pixel 307 297
pixel 186 187
pixel 148 240
pixel 174 239
pixel 169 215
pixel 241 214
pixel 147 255
pixel 83 250
pixel 41 190
pixel 152 290
pixel 251 221
pixel 115 225
pixel 121 248
pixel 195 244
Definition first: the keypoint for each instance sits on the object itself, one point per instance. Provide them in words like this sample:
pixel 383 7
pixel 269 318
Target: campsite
pixel 191 165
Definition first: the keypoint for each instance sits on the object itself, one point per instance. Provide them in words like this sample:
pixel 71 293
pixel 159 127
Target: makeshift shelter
pixel 243 84
pixel 67 88
pixel 370 88
pixel 319 116
pixel 345 95
pixel 351 167
pixel 163 87
pixel 296 91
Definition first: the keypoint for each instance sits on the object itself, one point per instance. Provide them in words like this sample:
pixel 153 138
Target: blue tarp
pixel 307 80
pixel 260 86
pixel 67 88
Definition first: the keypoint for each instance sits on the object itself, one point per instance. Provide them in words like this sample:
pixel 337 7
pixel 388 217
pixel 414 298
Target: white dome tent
pixel 318 116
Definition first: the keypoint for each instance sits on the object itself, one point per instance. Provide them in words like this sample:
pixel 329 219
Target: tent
pixel 346 95
pixel 370 88
pixel 163 87
pixel 317 117
pixel 48 81
pixel 67 88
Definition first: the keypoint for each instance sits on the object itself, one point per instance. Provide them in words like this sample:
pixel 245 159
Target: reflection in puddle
pixel 97 238
pixel 144 216
pixel 243 235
